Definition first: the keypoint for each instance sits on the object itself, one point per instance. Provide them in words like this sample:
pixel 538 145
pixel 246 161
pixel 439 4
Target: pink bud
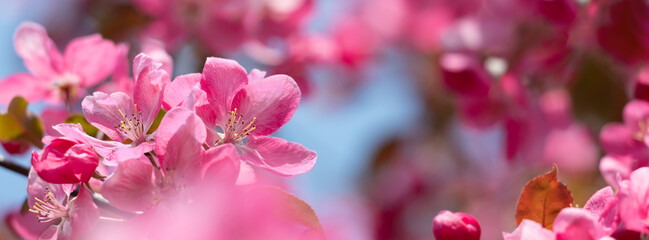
pixel 458 226
pixel 642 85
pixel 65 161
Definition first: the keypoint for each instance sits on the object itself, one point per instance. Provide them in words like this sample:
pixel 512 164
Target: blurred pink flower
pixel 57 77
pixel 529 230
pixel 623 29
pixel 625 143
pixel 448 226
pixel 633 201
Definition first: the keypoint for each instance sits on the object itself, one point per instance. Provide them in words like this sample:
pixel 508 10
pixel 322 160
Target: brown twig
pixel 11 165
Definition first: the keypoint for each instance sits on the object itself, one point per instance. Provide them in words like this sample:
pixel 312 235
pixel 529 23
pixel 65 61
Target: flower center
pixel 132 126
pixel 236 128
pixel 50 209
pixel 67 86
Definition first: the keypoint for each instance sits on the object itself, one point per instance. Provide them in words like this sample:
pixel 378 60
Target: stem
pixel 9 164
pixel 150 155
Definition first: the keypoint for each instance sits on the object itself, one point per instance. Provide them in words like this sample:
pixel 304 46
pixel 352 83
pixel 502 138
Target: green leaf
pixel 18 123
pixel 156 122
pixel 80 119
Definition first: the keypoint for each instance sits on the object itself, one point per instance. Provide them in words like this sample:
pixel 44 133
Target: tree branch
pixel 11 165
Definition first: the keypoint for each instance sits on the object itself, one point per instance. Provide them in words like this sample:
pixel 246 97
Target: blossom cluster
pixel 123 144
pixel 212 135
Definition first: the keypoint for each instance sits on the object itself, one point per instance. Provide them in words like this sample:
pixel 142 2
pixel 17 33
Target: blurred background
pixel 413 106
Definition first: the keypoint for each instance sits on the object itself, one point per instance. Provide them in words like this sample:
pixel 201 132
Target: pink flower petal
pixel 106 112
pixel 618 139
pixel 180 88
pixel 221 163
pixel 179 141
pixel 51 233
pixel 156 50
pixel 634 200
pixel 603 206
pixel 27 86
pixel 37 50
pixel 131 187
pixel 271 102
pixel 106 149
pixel 279 156
pixel 150 81
pixel 529 230
pixel 37 188
pixel 91 58
pixel 26 226
pixel 578 224
pixel 84 214
pixel 222 78
pixel 612 166
pixel 51 117
pixel 634 112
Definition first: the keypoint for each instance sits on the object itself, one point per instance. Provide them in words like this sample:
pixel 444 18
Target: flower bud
pixel 65 161
pixel 458 226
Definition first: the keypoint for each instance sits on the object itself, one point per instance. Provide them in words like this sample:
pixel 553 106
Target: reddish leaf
pixel 542 199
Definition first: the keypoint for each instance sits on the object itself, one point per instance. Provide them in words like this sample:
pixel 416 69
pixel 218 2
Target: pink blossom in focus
pixel 137 185
pixel 65 160
pixel 53 76
pixel 121 116
pixel 251 107
pixel 71 217
pixel 448 226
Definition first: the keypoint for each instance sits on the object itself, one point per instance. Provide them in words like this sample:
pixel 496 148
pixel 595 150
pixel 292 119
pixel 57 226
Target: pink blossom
pixel 251 107
pixel 577 224
pixel 121 116
pixel 625 143
pixel 24 226
pixel 70 217
pixel 181 161
pixel 633 201
pixel 54 76
pixel 448 225
pixel 65 160
pixel 603 206
pixel 529 230
pixel 623 28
